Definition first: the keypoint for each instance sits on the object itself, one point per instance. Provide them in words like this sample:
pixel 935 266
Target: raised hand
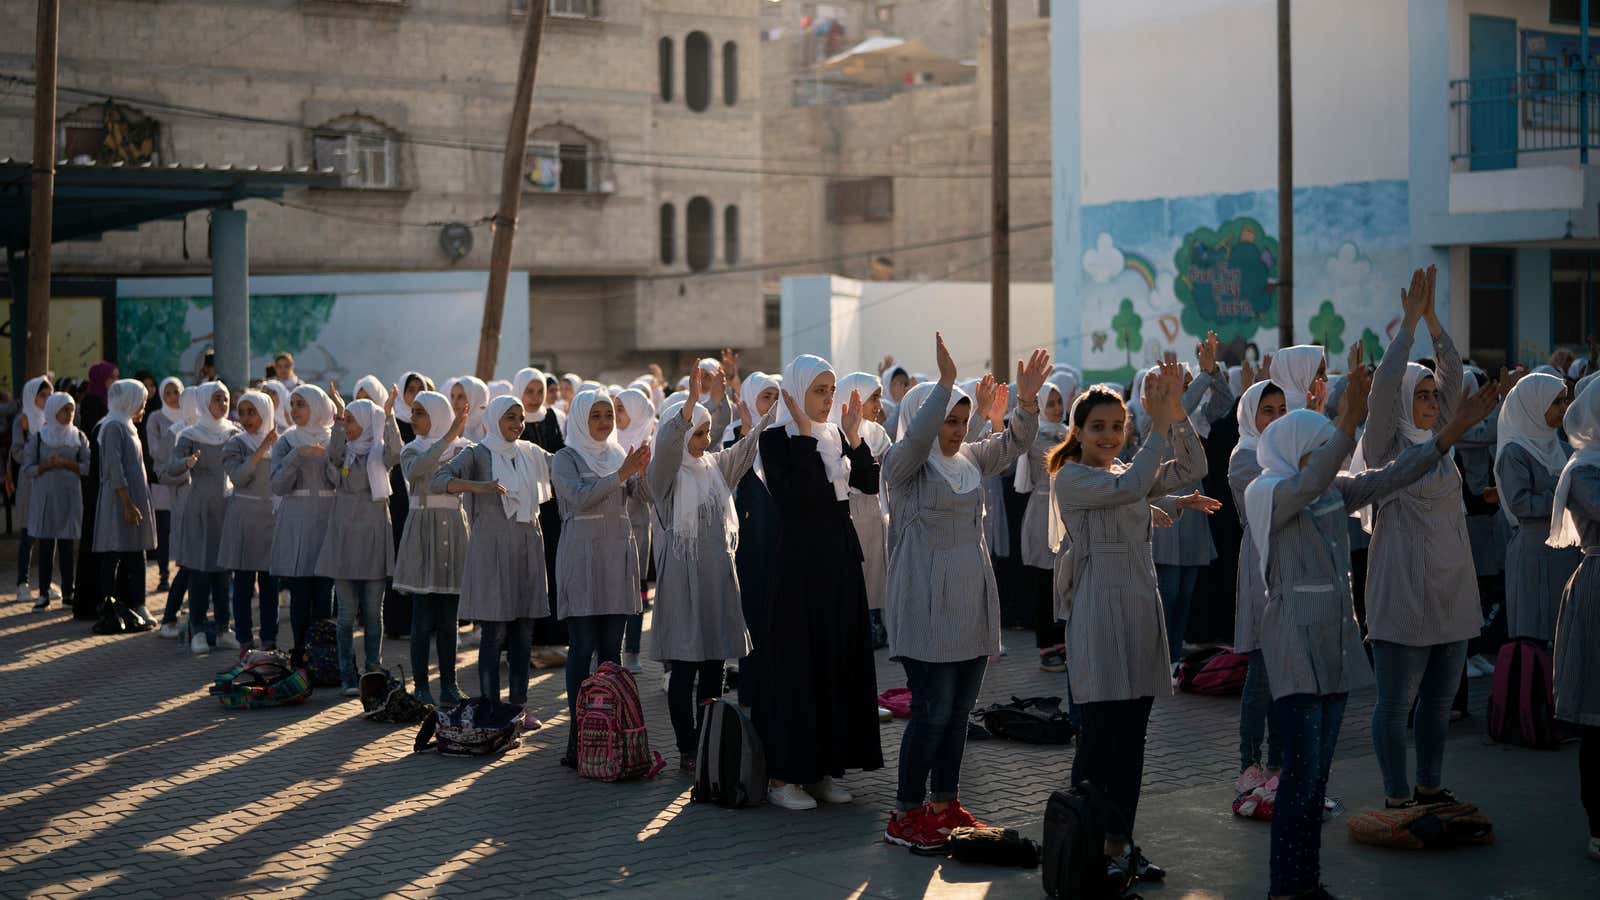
pixel 388 405
pixel 458 426
pixel 997 409
pixel 984 401
pixel 850 418
pixel 1353 403
pixel 802 422
pixel 1199 502
pixel 730 365
pixel 270 439
pixel 745 419
pixel 1163 394
pixel 635 462
pixel 1265 372
pixel 1030 377
pixel 658 375
pixel 1247 373
pixel 694 390
pixel 1415 301
pixel 1317 396
pixel 1206 352
pixel 884 364
pixel 1478 406
pixel 338 401
pixel 947 364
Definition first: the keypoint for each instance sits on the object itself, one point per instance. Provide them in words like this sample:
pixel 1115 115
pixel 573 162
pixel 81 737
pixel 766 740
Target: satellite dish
pixel 455 239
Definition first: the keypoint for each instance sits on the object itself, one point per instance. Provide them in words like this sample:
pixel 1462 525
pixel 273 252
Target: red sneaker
pixel 956 816
pixel 917 829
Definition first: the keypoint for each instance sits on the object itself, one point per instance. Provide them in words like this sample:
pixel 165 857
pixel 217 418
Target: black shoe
pixel 163 585
pixel 1053 662
pixel 570 762
pixel 1145 869
pixel 1439 797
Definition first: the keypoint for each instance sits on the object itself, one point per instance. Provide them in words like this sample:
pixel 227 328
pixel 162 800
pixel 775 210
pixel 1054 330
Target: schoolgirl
pixel 358 548
pixel 868 511
pixel 698 622
pixel 248 523
pixel 943 606
pixel 411 384
pixel 56 461
pixel 818 716
pixel 160 434
pixel 1301 372
pixel 503 582
pixel 125 527
pixel 1106 589
pixel 636 425
pixel 280 404
pixel 35 394
pixel 543 427
pixel 1297 510
pixel 1038 559
pixel 302 474
pixel 473 395
pixel 198 452
pixel 1529 459
pixel 432 559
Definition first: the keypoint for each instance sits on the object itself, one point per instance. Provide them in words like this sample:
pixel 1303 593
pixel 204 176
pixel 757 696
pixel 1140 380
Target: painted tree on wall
pixel 1327 328
pixel 1222 280
pixel 1371 347
pixel 1127 325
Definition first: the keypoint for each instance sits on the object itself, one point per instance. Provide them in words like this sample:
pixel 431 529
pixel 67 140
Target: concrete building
pixel 642 209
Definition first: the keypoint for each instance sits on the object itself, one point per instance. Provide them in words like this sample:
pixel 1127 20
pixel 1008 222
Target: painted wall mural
pixel 1160 273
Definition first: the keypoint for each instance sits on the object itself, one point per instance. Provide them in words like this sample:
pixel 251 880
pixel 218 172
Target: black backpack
pixel 730 766
pixel 1074 846
pixel 1031 720
pixel 322 653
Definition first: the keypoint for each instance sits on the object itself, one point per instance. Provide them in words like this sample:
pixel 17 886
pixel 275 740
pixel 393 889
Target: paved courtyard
pixel 119 777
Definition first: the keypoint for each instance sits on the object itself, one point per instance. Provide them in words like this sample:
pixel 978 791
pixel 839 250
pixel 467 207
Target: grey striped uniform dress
pixel 432 558
pixel 597 564
pixel 122 467
pixel 1577 648
pixel 1488 533
pixel 1535 573
pixel 20 436
pixel 359 542
pixel 1188 542
pixel 943 605
pixel 1105 577
pixel 306 485
pixel 1243 467
pixel 248 521
pixel 56 512
pixel 160 437
pixel 504 578
pixel 197 525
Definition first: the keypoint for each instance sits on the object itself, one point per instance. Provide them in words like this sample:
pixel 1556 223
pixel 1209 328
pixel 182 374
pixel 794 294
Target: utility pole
pixel 43 190
pixel 1285 283
pixel 505 220
pixel 1000 189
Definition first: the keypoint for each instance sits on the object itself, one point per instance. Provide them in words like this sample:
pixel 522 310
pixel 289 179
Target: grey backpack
pixel 730 767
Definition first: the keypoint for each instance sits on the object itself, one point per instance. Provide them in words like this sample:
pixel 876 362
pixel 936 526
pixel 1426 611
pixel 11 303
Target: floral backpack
pixel 613 743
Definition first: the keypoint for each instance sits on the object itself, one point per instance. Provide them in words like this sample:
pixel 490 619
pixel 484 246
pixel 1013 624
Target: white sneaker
pixel 169 630
pixel 666 678
pixel 884 714
pixel 790 796
pixel 226 641
pixel 829 791
pixel 198 645
pixel 55 592
pixel 24 593
pixel 630 661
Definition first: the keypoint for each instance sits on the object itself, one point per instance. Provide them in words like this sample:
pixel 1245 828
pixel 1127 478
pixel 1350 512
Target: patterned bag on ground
pixel 387 702
pixel 474 727
pixel 376 687
pixel 1214 671
pixel 1521 699
pixel 992 846
pixel 613 743
pixel 1030 720
pixel 260 683
pixel 1435 827
pixel 322 653
pixel 730 766
pixel 1074 846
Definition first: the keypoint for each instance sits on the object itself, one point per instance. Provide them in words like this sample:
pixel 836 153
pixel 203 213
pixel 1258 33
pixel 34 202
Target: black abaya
pixel 546 433
pixel 756 563
pixel 87 592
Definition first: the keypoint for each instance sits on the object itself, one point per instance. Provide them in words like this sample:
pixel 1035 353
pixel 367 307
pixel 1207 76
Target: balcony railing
pixel 1495 119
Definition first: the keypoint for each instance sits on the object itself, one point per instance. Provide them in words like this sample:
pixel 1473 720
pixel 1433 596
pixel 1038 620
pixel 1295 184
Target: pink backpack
pixel 1521 700
pixel 1214 671
pixel 897 701
pixel 613 743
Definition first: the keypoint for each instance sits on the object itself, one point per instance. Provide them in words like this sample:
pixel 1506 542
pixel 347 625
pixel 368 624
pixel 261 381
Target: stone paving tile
pixel 114 760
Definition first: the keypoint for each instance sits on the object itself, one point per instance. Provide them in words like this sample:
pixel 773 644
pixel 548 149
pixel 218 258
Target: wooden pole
pixel 1285 284
pixel 44 189
pixel 1000 189
pixel 505 221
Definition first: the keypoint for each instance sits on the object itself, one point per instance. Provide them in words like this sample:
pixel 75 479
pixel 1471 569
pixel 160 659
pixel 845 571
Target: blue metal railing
pixel 1529 112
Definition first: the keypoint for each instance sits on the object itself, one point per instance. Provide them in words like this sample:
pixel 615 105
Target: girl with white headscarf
pixel 636 425
pixel 1038 557
pixel 1310 640
pixel 1295 369
pixel 197 530
pixel 473 394
pixel 29 419
pixel 597 562
pixel 411 384
pixel 867 509
pixel 304 475
pixel 699 619
pixel 1529 458
pixel 544 428
pixel 56 460
pixel 505 480
pixel 280 403
pixel 943 605
pixel 432 556
pixel 160 435
pixel 358 549
pixel 369 387
pixel 124 523
pixel 819 714
pixel 248 522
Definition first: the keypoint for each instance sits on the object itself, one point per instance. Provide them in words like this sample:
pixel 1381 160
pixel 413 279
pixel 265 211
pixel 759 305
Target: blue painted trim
pixel 1532 302
pixel 1066 203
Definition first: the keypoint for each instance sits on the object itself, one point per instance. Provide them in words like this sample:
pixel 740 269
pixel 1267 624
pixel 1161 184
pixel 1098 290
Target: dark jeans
pixel 1177 592
pixel 589 636
pixel 25 557
pixel 162 553
pixel 1426 676
pixel 631 633
pixel 309 599
pixel 48 552
pixel 516 639
pixel 1589 775
pixel 122 575
pixel 942 694
pixel 1111 756
pixel 682 697
pixel 1309 725
pixel 175 594
pixel 1048 634
pixel 207 591
pixel 433 618
pixel 1255 704
pixel 243 582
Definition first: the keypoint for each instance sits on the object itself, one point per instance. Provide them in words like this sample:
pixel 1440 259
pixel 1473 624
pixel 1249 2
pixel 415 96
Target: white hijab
pixel 368 448
pixel 319 421
pixel 1283 443
pixel 402 410
pixel 54 433
pixel 799 375
pixel 280 406
pixel 1245 411
pixel 500 388
pixel 441 414
pixel 641 418
pixel 700 495
pixel 1050 434
pixel 959 471
pixel 172 414
pixel 751 388
pixel 1582 424
pixel 518 465
pixel 477 398
pixel 30 403
pixel 866 384
pixel 1294 369
pixel 124 397
pixel 519 384
pixel 374 388
pixel 1405 427
pixel 262 404
pixel 210 430
pixel 602 457
pixel 1522 423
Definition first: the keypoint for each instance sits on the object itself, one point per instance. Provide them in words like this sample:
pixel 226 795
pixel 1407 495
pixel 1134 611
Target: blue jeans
pixel 516 639
pixel 1176 584
pixel 175 594
pixel 207 591
pixel 309 599
pixel 433 618
pixel 242 623
pixel 369 596
pixel 1428 676
pixel 1310 727
pixel 942 694
pixel 1254 705
pixel 587 638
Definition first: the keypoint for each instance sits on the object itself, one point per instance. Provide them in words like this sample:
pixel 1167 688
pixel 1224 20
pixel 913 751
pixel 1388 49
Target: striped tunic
pixel 1105 577
pixel 1535 574
pixel 943 605
pixel 1577 649
pixel 1243 467
pixel 1188 542
pixel 1422 587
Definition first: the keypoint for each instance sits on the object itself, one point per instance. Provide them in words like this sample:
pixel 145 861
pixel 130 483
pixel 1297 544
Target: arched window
pixel 697 71
pixel 669 224
pixel 730 73
pixel 698 251
pixel 730 234
pixel 664 67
